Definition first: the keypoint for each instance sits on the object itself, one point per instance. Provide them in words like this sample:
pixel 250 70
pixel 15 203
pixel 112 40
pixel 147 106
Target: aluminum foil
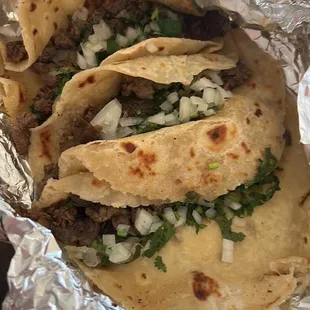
pixel 39 277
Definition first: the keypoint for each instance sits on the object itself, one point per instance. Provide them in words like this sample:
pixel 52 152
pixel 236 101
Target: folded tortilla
pixel 96 87
pixel 176 160
pixel 269 265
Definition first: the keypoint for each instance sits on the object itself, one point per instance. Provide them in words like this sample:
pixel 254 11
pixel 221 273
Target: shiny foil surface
pixel 39 276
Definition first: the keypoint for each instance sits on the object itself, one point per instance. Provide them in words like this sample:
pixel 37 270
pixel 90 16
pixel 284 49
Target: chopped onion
pixel 209 95
pixel 147 29
pixel 95 47
pixel 146 247
pixel 121 40
pixel 155 226
pixel 202 107
pixel 130 121
pixel 186 110
pixel 77 252
pixel 170 216
pixel 122 230
pixel 143 221
pixel 171 119
pixel 119 254
pixel 158 118
pixel 131 34
pixel 210 213
pixel 215 77
pixel 227 251
pixel 217 98
pixel 224 93
pixel 102 30
pixel 95 39
pixel 196 100
pixel 204 203
pixel 90 258
pixel 201 84
pixel 229 214
pixel 238 221
pixel 122 132
pixel 235 205
pixel 123 13
pixel 89 56
pixel 131 243
pixel 108 240
pixel 81 61
pixel 173 97
pixel 152 48
pixel 154 26
pixel 80 14
pixel 166 106
pixel 209 112
pixel 182 211
pixel 197 217
pixel 108 118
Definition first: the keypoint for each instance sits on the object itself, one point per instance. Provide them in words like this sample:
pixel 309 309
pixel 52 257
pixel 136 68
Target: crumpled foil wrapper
pixel 39 276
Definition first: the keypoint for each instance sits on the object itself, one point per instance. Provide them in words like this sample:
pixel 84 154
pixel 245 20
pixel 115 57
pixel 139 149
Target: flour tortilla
pixel 269 265
pixel 40 20
pixel 96 87
pixel 168 163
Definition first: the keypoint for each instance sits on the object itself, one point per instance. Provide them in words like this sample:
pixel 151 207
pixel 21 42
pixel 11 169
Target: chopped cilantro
pixel 190 221
pixel 225 226
pixel 155 15
pixel 170 27
pixel 112 46
pixel 158 239
pixel 160 264
pixel 65 76
pixel 98 246
pixel 147 128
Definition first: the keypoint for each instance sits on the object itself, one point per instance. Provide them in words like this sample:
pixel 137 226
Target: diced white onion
pixel 209 112
pixel 197 217
pixel 108 240
pixel 122 132
pixel 155 226
pixel 209 95
pixel 119 254
pixel 224 93
pixel 215 77
pixel 186 110
pixel 235 205
pixel 147 29
pixel 238 221
pixel 182 211
pixel 131 34
pixel 89 56
pixel 158 118
pixel 109 116
pixel 123 228
pixel 90 258
pixel 173 97
pixel 95 39
pixel 204 203
pixel 80 14
pixel 102 30
pixel 202 107
pixel 171 119
pixel 152 48
pixel 170 216
pixel 121 40
pixel 227 251
pixel 202 83
pixel 196 100
pixel 210 213
pixel 154 26
pixel 81 61
pixel 143 221
pixel 130 121
pixel 217 98
pixel 229 214
pixel 146 247
pixel 166 106
pixel 131 243
pixel 95 47
pixel 77 252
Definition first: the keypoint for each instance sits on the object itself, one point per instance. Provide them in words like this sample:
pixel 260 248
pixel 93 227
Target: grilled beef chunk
pixel 16 51
pixel 63 41
pixel 102 213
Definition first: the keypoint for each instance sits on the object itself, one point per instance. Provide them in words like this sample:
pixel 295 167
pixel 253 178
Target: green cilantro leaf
pixel 225 226
pixel 190 221
pixel 161 236
pixel 170 27
pixel 98 246
pixel 112 46
pixel 160 264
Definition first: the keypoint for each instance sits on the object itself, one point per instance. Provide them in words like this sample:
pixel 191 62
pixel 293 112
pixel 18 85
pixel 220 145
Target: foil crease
pixel 39 276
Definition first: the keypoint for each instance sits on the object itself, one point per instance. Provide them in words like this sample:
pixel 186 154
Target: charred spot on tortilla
pixel 204 286
pixel 55 25
pixel 35 31
pixel 252 85
pixel 56 9
pixel 161 48
pixel 96 183
pixel 143 275
pixel 129 147
pixel 233 155
pixel 304 198
pixel 33 7
pixel 21 95
pixel 90 79
pixel 147 159
pixel 245 147
pixel 247 120
pixel 305 240
pixel 258 113
pixel 211 178
pixel 45 137
pixel 192 152
pixel 136 171
pixel 218 134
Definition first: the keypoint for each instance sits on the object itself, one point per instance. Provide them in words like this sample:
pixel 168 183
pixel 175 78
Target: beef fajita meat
pixel 102 213
pixel 235 77
pixel 63 41
pixel 16 51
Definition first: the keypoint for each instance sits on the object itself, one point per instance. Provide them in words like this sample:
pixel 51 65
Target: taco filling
pixel 102 235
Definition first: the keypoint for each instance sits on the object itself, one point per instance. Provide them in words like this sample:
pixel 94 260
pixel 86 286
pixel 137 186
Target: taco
pixel 118 203
pixel 98 31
